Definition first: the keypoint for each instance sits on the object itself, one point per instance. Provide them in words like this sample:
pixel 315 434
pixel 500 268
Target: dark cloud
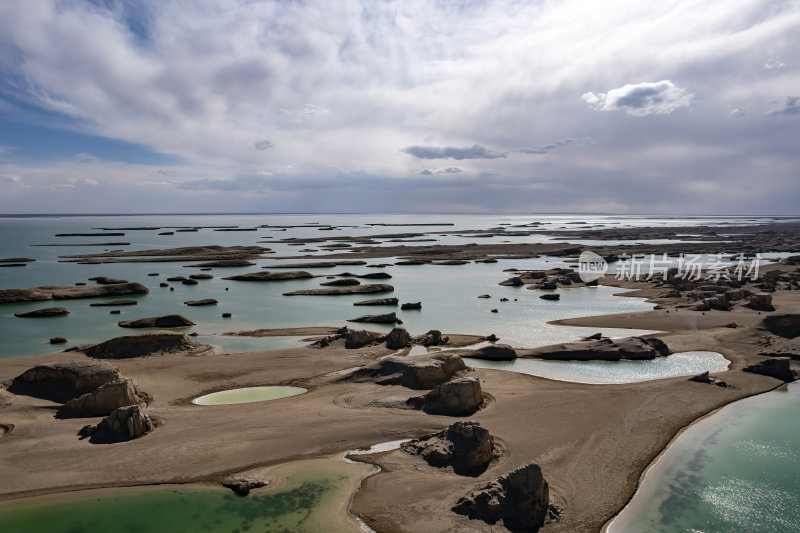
pixel 475 151
pixel 544 148
pixel 641 99
pixel 263 144
pixel 448 170
pixel 791 108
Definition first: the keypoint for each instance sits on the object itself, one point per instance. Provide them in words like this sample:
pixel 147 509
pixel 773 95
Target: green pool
pixel 308 496
pixel 248 395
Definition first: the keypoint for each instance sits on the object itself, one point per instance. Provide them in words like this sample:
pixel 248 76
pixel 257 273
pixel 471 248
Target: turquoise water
pixel 607 372
pixel 248 395
pixel 735 471
pixel 448 293
pixel 307 498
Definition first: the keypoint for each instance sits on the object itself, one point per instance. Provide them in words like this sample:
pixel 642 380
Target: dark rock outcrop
pixel 776 367
pixel 520 499
pixel 458 397
pixel 359 338
pixel 784 325
pixel 494 352
pixel 131 422
pixel 69 292
pixel 57 340
pixel 344 282
pixel 271 276
pixel 333 291
pixel 376 275
pixel 411 305
pixel 113 303
pixel 432 338
pixel 398 338
pixel 378 301
pixel 41 313
pixel 63 381
pixel 387 318
pixel 551 296
pixel 635 348
pixel 465 446
pixel 105 399
pixel 422 372
pixel 166 321
pixel 761 302
pixel 155 343
pixel 206 301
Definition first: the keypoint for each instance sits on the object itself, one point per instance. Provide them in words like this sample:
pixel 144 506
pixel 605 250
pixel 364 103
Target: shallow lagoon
pixel 309 496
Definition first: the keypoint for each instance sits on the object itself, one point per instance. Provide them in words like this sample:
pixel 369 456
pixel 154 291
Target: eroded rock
pixel 465 446
pixel 520 499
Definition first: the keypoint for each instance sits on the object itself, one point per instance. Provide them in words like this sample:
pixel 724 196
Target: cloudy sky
pixel 670 107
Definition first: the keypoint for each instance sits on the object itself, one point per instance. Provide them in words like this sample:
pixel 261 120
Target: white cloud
pixel 774 64
pixel 641 99
pixel 336 89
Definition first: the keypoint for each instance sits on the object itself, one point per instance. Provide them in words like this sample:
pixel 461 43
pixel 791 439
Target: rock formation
pixel 206 301
pixel 422 372
pixel 270 276
pixel 166 321
pixel 333 291
pixel 387 318
pixel 130 421
pixel 359 338
pixel 105 399
pixel 457 397
pixel 465 446
pixel 494 352
pixel 63 381
pixel 635 348
pixel 411 305
pixel 378 301
pixel 784 325
pixel 760 302
pixel 398 338
pixel 45 312
pixel 432 338
pixel 113 303
pixel 775 367
pixel 68 292
pixel 520 499
pixel 155 343
pixel 344 282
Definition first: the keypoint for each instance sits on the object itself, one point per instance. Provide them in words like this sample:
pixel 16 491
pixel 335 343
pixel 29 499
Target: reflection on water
pixel 736 470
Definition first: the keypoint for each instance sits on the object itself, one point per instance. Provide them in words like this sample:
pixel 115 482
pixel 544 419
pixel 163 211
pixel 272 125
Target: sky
pixel 573 106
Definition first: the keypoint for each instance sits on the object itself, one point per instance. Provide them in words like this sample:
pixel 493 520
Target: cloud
pixel 347 85
pixel 641 99
pixel 737 112
pixel 448 170
pixel 448 152
pixel 262 144
pixel 10 178
pixel 545 148
pixel 792 107
pixel 773 64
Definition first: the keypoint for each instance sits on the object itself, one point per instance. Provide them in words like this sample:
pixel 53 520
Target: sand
pixel 592 441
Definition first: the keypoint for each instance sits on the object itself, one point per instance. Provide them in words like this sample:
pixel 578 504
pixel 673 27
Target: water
pixel 606 372
pixel 736 470
pixel 448 293
pixel 308 497
pixel 248 395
